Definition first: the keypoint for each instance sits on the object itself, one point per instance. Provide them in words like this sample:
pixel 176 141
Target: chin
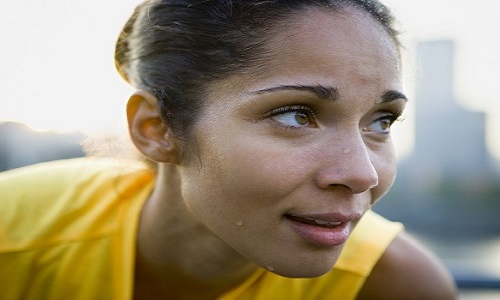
pixel 306 268
pixel 307 273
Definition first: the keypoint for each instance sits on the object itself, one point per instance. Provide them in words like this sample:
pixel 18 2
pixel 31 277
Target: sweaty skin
pixel 305 140
pixel 258 164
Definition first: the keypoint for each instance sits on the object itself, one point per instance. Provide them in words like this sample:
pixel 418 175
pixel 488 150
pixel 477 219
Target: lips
pixel 324 230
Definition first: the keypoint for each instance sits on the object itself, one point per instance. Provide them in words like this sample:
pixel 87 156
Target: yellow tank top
pixel 68 231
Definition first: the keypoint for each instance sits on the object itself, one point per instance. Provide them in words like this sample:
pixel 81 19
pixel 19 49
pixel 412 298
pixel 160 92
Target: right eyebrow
pixel 323 92
pixel 392 95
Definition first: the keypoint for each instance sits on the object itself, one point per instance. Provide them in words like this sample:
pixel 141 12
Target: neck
pixel 177 254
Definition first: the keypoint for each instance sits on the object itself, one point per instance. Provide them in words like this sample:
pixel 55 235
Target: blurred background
pixel 58 87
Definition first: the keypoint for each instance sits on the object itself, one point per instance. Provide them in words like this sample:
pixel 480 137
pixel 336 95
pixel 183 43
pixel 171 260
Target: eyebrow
pixel 392 95
pixel 328 93
pixel 323 92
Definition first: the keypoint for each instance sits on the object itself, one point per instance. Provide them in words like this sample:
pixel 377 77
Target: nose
pixel 350 166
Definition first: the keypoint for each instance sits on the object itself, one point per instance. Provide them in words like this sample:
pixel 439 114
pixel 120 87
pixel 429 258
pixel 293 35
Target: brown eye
pixel 294 119
pixel 385 124
pixel 382 125
pixel 302 118
pixel 293 116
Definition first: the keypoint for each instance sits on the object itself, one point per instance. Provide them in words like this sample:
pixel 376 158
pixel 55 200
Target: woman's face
pixel 288 161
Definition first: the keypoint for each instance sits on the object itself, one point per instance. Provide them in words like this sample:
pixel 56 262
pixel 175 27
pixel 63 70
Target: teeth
pixel 334 223
pixel 323 222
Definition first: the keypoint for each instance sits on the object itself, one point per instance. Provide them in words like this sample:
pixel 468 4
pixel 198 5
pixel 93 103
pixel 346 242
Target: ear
pixel 147 131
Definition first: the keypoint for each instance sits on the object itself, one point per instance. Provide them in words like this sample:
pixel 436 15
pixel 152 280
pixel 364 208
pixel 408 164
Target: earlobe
pixel 147 130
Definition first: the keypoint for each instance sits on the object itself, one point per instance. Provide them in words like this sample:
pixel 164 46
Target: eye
pixel 293 116
pixel 382 124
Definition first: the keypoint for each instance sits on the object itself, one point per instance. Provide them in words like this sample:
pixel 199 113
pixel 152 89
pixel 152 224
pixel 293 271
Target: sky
pixel 57 73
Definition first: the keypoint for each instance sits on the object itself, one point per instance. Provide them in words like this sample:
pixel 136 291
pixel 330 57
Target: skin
pixel 265 148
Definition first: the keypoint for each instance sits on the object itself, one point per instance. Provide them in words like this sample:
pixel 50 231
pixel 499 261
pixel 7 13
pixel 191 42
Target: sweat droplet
pixel 270 268
pixel 239 223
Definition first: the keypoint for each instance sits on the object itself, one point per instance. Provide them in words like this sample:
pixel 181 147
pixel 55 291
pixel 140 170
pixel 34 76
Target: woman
pixel 269 122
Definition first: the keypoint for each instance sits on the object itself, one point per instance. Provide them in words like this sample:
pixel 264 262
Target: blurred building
pixel 448 186
pixel 21 146
pixel 450 141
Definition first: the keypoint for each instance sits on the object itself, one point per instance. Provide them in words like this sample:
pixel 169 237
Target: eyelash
pixel 292 108
pixel 396 117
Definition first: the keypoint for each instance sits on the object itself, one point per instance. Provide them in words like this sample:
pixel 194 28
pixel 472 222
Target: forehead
pixel 347 34
pixel 320 46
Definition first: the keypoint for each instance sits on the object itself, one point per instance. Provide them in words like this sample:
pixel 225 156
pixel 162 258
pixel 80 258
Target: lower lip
pixel 321 236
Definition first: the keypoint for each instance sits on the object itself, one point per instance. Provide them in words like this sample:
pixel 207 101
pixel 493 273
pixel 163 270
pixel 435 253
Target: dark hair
pixel 173 48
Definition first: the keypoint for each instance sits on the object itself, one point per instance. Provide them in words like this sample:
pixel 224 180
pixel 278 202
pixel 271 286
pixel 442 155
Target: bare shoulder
pixel 407 270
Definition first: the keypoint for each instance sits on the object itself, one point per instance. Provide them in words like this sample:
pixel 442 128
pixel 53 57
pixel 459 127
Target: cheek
pixel 254 174
pixel 243 178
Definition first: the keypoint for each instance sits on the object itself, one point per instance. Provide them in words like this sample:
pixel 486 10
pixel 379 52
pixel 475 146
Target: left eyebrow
pixel 323 92
pixel 392 95
pixel 328 93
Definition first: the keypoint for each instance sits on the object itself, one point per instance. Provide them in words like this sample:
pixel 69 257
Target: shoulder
pixel 57 201
pixel 367 243
pixel 56 176
pixel 83 166
pixel 407 270
pixel 46 184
